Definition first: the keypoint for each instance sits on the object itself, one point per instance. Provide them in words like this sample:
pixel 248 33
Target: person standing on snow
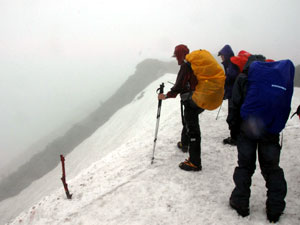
pixel 268 148
pixel 240 60
pixel 231 72
pixel 185 84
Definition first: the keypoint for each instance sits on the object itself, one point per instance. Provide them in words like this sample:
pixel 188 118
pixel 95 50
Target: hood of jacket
pixel 252 59
pixel 227 52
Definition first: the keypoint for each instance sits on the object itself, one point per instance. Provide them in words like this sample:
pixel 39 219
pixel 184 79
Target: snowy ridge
pixel 123 188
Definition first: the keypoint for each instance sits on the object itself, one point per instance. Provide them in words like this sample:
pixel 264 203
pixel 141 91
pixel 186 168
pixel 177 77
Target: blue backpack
pixel 267 103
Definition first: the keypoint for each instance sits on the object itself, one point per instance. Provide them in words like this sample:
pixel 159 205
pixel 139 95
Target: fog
pixel 60 59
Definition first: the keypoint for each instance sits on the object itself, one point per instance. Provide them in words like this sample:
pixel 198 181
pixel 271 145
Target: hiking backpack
pixel 267 104
pixel 209 91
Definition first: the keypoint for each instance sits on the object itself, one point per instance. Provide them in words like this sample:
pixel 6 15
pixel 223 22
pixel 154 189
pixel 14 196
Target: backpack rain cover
pixel 209 91
pixel 269 94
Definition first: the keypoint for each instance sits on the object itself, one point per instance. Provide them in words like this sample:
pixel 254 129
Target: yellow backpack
pixel 209 91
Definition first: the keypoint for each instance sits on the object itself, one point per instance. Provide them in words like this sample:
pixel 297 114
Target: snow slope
pixel 123 187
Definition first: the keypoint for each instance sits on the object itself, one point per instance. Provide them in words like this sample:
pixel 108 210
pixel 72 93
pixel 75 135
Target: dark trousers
pixel 268 156
pixel 191 135
pixel 233 133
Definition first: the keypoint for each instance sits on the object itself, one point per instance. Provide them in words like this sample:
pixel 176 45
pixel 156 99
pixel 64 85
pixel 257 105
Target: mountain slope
pixel 123 188
pixel 46 159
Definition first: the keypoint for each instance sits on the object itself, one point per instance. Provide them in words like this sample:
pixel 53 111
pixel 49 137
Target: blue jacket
pixel 231 70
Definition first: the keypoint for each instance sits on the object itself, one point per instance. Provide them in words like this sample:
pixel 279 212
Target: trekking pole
pixel 182 113
pixel 63 179
pixel 161 90
pixel 219 110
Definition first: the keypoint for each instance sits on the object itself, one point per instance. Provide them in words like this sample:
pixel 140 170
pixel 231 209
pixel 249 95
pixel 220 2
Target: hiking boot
pixel 184 148
pixel 242 211
pixel 229 141
pixel 273 217
pixel 188 166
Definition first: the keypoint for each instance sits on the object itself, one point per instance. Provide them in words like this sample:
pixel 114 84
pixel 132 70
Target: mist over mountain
pixel 48 158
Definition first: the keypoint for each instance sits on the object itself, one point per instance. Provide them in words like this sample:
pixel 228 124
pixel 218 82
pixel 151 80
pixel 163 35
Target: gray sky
pixel 90 29
pixel 57 57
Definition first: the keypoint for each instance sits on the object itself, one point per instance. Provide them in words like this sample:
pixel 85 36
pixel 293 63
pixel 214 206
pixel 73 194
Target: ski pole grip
pixel 161 91
pixel 161 88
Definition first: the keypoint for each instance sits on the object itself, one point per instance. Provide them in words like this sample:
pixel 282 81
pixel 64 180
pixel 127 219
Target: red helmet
pixel 180 52
pixel 241 59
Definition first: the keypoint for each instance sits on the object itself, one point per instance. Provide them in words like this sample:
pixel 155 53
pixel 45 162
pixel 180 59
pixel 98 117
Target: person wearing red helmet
pixel 240 61
pixel 261 144
pixel 185 84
